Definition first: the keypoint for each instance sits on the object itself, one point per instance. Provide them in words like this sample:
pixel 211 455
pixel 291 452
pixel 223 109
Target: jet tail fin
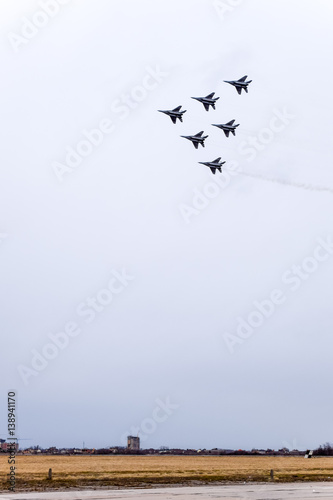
pixel 199 134
pixel 177 108
pixel 209 96
pixel 243 79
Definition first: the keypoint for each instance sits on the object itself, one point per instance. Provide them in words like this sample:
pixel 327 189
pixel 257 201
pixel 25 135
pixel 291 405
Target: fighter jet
pixel 227 127
pixel 240 84
pixel 196 139
pixel 174 113
pixel 207 101
pixel 214 165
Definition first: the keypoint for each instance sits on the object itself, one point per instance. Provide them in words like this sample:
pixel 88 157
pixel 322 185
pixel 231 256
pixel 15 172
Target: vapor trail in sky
pixel 295 184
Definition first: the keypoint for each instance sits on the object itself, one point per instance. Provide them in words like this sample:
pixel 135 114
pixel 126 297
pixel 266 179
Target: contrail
pixel 299 185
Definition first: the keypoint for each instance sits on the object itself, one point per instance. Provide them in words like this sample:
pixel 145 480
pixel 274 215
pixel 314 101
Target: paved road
pixel 301 491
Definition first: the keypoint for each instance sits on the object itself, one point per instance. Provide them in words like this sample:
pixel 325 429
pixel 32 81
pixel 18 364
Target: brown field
pixel 146 471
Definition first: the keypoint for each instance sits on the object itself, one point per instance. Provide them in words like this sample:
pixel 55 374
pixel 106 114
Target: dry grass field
pixel 146 471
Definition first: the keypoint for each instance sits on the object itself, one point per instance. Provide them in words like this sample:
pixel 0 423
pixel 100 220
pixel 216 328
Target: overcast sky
pixel 140 293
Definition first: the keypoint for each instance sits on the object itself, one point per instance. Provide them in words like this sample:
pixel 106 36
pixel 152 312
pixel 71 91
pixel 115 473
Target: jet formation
pixel 199 138
pixel 240 84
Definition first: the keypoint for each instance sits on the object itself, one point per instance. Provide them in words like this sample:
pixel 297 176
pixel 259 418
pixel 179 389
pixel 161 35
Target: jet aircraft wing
pixel 213 169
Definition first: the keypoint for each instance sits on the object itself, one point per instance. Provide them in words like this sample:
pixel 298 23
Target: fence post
pixel 272 475
pixel 50 474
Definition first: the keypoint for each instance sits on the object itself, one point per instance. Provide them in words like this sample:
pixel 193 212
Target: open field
pixel 146 471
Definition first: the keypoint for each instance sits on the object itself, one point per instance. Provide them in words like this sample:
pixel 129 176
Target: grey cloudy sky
pixel 172 295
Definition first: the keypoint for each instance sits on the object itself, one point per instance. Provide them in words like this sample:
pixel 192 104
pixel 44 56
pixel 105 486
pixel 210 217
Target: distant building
pixel 4 446
pixel 133 443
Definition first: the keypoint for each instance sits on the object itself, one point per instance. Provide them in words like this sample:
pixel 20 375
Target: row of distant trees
pixel 324 450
